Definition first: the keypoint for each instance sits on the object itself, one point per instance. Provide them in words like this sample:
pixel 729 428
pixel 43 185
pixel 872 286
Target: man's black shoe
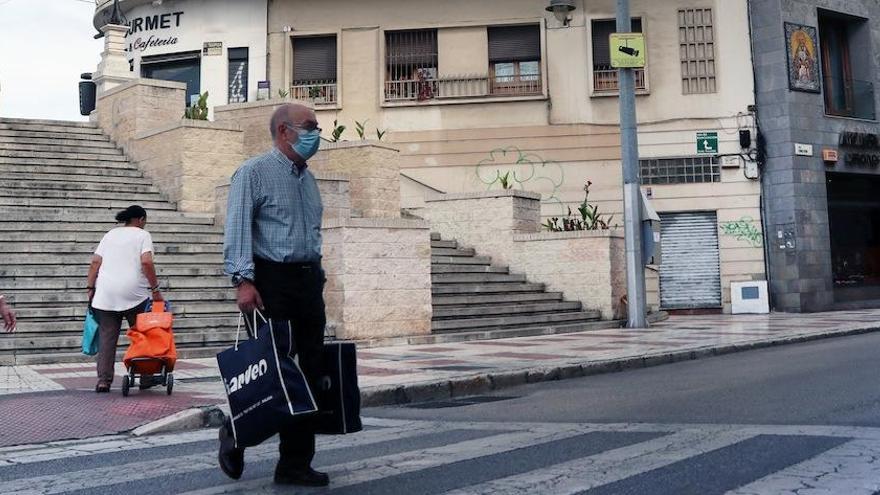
pixel 300 477
pixel 231 458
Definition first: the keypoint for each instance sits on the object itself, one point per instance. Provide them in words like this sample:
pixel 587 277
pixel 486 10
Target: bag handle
pixel 251 328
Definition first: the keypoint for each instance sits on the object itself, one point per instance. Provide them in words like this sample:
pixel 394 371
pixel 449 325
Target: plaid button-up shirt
pixel 274 212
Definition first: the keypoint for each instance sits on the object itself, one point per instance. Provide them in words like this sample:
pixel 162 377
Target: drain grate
pixel 462 402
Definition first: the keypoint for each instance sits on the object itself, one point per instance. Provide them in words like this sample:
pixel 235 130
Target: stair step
pixel 74 342
pixel 453 252
pixel 77 312
pixel 444 244
pixel 55 189
pixel 57 148
pixel 167 283
pixel 508 321
pixel 93 237
pixel 51 135
pixel 81 270
pixel 120 202
pixel 491 288
pixel 459 260
pixel 85 259
pixel 15 121
pixel 505 309
pixel 67 162
pixel 54 298
pixel 55 155
pixel 89 215
pixel 71 248
pixel 65 173
pixel 475 278
pixel 155 226
pixel 527 331
pixel 58 140
pixel 448 301
pixel 438 268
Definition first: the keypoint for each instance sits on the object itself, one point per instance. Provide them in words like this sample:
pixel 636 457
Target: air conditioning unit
pixel 749 297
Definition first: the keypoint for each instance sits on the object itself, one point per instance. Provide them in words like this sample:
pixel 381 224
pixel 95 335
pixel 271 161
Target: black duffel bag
pixel 339 399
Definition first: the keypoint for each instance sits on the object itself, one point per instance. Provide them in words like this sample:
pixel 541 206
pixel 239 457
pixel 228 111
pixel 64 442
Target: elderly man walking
pixel 272 251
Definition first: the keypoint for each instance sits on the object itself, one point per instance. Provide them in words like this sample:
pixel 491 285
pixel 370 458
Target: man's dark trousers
pixel 294 292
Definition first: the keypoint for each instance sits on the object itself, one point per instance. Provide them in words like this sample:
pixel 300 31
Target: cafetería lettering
pixel 141 44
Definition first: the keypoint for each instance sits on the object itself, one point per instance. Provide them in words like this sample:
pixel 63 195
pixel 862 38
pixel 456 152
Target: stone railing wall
pixel 586 266
pixel 378 278
pixel 138 106
pixel 188 159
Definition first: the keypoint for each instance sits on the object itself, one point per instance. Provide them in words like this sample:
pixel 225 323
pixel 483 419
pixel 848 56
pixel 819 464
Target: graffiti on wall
pixel 512 167
pixel 745 230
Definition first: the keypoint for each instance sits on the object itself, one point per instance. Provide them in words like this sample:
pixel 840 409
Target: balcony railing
pixel 317 92
pixel 849 98
pixel 462 87
pixel 605 80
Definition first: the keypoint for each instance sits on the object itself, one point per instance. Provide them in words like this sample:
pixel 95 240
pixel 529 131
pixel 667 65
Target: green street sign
pixel 627 50
pixel 707 143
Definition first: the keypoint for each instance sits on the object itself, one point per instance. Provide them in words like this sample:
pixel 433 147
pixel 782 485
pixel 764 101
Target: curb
pixel 213 416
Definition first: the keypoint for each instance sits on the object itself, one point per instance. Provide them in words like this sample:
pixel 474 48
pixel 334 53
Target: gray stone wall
pixel 794 187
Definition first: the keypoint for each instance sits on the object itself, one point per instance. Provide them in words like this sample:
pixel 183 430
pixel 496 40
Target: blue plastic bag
pixel 90 334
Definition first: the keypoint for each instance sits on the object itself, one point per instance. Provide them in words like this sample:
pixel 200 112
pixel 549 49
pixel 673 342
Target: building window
pixel 185 67
pixel 605 76
pixel 314 70
pixel 696 42
pixel 515 60
pixel 689 170
pixel 847 65
pixel 238 75
pixel 411 65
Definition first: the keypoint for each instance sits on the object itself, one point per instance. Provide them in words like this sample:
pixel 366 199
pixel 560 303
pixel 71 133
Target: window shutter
pixel 514 43
pixel 602 30
pixel 314 59
pixel 411 48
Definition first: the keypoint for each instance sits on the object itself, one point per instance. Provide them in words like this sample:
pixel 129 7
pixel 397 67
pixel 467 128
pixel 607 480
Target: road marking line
pixel 852 468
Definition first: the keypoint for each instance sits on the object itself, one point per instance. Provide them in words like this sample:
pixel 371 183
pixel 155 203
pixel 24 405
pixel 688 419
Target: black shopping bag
pixel 339 399
pixel 265 386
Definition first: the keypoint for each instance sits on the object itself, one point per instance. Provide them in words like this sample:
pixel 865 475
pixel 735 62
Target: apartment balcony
pixel 317 92
pixel 605 80
pixel 462 87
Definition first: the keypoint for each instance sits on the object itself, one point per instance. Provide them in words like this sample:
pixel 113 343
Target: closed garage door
pixel 690 274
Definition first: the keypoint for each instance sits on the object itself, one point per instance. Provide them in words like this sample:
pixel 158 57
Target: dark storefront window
pixel 847 66
pixel 238 75
pixel 180 67
pixel 854 216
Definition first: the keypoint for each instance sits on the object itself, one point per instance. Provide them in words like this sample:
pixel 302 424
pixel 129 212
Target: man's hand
pixel 248 298
pixel 7 315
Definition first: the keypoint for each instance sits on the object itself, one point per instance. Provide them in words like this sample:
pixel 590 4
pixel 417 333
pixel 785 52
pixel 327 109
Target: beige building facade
pixel 473 93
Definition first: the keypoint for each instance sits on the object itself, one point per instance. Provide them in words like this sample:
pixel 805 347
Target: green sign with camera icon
pixel 627 50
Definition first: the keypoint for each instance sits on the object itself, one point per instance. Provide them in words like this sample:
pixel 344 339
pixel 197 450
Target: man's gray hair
pixel 280 116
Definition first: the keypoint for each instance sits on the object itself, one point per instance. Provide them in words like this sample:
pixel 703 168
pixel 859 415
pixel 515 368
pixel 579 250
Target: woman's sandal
pixel 102 388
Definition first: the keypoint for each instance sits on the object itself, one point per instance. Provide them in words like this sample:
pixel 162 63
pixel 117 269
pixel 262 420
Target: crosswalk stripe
pixel 852 468
pixel 147 469
pixel 609 466
pixel 371 469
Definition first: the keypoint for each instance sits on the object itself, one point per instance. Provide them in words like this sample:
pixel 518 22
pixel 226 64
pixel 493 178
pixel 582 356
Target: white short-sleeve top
pixel 121 282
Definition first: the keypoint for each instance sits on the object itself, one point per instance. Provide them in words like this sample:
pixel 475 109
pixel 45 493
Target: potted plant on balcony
pixel 318 94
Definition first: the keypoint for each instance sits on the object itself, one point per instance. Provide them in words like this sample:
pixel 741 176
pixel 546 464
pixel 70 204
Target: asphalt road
pixel 798 419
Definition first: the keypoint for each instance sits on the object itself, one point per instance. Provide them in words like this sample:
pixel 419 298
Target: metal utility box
pixel 650 224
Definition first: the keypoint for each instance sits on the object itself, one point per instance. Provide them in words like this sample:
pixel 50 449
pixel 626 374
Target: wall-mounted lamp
pixel 561 9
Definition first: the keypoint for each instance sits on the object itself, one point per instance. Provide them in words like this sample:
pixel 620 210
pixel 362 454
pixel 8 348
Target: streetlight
pixel 629 157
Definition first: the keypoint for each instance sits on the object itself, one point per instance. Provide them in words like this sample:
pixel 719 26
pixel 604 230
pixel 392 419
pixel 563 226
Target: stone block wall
pixel 139 106
pixel 187 160
pixel 374 170
pixel 378 278
pixel 253 120
pixel 585 266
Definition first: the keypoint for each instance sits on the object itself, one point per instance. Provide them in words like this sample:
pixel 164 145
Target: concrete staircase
pixel 60 186
pixel 472 296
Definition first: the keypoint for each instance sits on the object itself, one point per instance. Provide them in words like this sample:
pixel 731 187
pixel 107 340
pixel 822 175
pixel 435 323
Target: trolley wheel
pixel 126 384
pixel 169 383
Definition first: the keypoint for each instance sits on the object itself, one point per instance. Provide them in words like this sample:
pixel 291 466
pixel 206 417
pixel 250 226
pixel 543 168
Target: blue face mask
pixel 307 144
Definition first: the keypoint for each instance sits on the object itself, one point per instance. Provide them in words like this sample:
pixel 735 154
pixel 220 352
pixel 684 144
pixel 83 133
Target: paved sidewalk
pixel 53 402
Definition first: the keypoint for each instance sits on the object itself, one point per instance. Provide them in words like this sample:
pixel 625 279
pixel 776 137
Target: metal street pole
pixel 629 138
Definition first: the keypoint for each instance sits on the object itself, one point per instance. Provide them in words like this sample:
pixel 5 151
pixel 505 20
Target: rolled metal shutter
pixel 690 274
